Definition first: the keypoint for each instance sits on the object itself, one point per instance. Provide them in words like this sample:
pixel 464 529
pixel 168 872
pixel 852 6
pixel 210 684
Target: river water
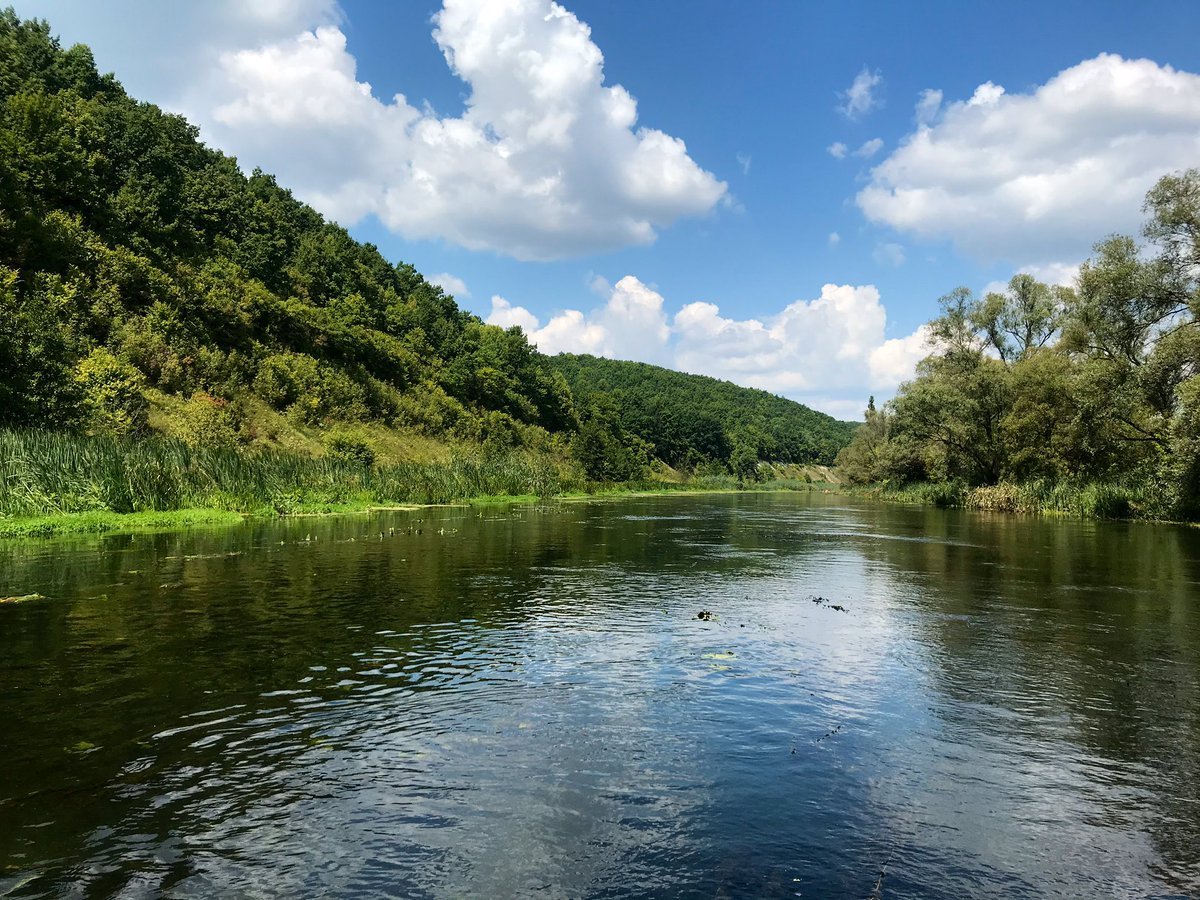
pixel 521 701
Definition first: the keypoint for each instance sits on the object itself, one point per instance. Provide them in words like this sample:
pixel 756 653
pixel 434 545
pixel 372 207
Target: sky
pixel 772 193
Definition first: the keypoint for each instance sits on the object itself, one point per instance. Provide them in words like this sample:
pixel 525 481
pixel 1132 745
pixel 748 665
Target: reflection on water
pixel 521 700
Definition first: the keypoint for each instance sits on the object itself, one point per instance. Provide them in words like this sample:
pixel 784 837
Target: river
pixel 522 700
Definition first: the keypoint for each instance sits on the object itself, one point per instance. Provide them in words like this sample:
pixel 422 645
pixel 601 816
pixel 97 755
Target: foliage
pixel 133 257
pixel 604 449
pixel 348 447
pixel 691 418
pixel 122 237
pixel 51 473
pixel 113 393
pixel 208 422
pixel 1084 400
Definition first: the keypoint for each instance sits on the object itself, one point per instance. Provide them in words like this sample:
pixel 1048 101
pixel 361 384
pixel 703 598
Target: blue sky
pixel 762 252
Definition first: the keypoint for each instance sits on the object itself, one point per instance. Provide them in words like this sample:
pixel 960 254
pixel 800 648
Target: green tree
pixel 113 394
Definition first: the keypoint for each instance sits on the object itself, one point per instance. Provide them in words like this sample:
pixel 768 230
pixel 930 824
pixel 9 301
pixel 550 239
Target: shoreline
pixel 107 522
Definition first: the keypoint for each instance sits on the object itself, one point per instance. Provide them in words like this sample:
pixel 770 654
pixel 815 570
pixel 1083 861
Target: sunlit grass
pixel 46 474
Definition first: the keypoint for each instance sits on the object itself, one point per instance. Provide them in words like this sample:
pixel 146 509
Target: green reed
pixel 46 473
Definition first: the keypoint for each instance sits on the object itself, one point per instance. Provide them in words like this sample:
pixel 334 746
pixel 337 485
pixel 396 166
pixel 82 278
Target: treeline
pixel 1040 396
pixel 138 264
pixel 693 419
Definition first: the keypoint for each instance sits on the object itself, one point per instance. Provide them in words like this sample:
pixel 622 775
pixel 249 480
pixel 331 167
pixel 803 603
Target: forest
pixel 1084 399
pixel 693 418
pixel 148 287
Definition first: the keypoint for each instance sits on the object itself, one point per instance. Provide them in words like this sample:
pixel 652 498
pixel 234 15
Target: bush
pixel 347 447
pixel 208 422
pixel 113 394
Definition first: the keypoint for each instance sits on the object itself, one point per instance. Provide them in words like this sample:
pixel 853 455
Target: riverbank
pixel 106 521
pixel 57 483
pixel 1088 500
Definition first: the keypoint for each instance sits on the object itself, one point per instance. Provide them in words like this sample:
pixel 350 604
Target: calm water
pixel 521 701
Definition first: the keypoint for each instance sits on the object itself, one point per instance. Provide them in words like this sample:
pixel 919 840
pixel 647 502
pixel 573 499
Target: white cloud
pixel 1038 177
pixel 830 352
pixel 834 239
pixel 1065 274
pixel 546 161
pixel 630 325
pixel 860 98
pixel 869 148
pixel 599 285
pixel 894 360
pixel 451 284
pixel 505 315
pixel 837 150
pixel 929 104
pixel 743 160
pixel 888 254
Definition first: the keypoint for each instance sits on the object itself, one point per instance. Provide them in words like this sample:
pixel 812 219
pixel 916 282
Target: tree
pixel 1023 318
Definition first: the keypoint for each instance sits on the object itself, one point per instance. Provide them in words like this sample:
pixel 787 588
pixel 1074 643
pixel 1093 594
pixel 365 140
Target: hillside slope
pixel 148 284
pixel 690 417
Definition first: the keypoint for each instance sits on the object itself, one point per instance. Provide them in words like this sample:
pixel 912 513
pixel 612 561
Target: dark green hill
pixel 691 417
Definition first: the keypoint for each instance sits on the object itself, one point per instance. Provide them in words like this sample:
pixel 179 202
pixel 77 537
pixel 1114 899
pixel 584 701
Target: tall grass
pixel 44 473
pixel 1092 500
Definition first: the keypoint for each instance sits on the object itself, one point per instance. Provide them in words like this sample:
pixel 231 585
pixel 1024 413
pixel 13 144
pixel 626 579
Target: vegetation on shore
pixel 1088 500
pixel 58 482
pixel 149 286
pixel 1083 400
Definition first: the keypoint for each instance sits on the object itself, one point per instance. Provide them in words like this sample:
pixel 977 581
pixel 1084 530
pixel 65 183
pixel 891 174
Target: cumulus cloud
pixel 631 324
pixel 869 148
pixel 860 98
pixel 837 150
pixel 830 352
pixel 929 103
pixel 894 360
pixel 546 161
pixel 1038 177
pixel 451 284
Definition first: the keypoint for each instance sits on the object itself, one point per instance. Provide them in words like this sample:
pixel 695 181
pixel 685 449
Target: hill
pixel 689 418
pixel 148 285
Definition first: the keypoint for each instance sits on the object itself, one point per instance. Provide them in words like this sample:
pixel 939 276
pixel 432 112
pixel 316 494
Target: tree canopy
pixel 1096 383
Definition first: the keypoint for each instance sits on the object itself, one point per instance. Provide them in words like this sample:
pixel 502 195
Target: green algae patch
pixel 103 521
pixel 22 599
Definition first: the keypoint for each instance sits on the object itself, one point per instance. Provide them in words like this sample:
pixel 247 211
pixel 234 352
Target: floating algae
pixel 22 599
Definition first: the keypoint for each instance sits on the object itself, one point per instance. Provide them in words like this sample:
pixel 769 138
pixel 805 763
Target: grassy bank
pixel 59 483
pixel 1089 500
pixel 49 474
pixel 101 521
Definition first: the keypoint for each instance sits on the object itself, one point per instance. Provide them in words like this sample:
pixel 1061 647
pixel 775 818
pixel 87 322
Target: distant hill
pixel 692 417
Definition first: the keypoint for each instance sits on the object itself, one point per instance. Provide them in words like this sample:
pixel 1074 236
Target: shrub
pixel 207 421
pixel 113 394
pixel 347 447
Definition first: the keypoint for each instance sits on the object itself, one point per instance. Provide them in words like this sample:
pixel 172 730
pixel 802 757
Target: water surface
pixel 521 700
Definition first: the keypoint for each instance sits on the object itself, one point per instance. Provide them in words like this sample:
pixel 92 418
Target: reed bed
pixel 1092 500
pixel 49 473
